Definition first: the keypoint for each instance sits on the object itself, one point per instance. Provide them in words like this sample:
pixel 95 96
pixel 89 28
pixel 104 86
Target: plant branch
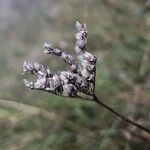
pixel 98 101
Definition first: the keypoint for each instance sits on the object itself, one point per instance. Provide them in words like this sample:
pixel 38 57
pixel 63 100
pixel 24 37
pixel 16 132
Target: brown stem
pixel 96 99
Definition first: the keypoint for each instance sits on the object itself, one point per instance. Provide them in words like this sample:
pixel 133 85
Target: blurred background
pixel 119 33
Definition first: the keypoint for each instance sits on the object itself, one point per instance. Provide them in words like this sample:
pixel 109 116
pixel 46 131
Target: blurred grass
pixel 119 34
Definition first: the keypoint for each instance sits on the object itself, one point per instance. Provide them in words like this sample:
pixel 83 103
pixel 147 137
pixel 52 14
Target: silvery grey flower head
pixel 69 90
pixel 28 84
pixel 28 67
pixel 78 78
pixel 50 50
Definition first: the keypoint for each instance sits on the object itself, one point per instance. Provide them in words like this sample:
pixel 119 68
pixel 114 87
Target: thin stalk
pixel 98 101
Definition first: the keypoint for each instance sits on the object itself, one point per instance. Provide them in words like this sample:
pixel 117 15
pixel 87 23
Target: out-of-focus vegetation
pixel 119 33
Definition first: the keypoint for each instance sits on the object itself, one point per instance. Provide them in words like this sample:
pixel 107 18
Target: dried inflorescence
pixel 80 77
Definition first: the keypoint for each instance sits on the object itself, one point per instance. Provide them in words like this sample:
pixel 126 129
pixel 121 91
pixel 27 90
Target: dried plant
pixel 79 78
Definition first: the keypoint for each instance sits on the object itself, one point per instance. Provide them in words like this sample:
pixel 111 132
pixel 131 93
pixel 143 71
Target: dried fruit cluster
pixel 80 77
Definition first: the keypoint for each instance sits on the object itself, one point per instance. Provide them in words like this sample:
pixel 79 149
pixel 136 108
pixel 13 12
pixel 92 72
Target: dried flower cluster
pixel 80 77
